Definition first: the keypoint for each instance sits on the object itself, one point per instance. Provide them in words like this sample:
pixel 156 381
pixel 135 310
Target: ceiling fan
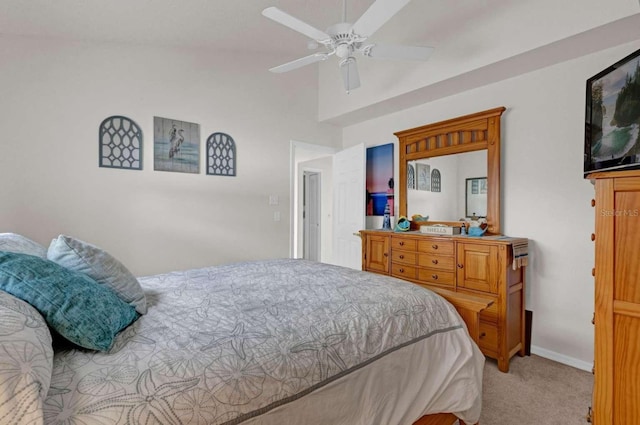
pixel 345 39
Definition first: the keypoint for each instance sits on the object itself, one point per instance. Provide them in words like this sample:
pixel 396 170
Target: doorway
pixel 308 158
pixel 311 215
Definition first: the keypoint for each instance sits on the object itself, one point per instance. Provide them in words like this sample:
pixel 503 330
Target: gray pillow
pixel 13 242
pixel 26 361
pixel 99 265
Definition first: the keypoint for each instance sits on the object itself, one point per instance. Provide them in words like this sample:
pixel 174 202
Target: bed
pixel 266 342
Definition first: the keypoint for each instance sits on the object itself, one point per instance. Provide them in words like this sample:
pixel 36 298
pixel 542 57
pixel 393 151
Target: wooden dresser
pixel 617 298
pixel 476 266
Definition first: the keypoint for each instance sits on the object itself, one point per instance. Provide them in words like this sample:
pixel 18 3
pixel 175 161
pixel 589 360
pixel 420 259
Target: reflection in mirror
pixel 476 198
pixel 450 203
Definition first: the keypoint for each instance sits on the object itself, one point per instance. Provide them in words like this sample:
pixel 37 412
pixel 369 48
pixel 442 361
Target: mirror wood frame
pixel 467 133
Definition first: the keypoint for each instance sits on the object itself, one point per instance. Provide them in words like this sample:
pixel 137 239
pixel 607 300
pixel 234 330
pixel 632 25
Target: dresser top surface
pixel 493 239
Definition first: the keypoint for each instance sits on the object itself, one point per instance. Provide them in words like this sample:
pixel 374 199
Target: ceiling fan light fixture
pixel 343 50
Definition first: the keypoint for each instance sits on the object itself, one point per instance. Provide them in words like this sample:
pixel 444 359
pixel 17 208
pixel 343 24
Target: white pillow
pixel 13 242
pixel 99 265
pixel 26 361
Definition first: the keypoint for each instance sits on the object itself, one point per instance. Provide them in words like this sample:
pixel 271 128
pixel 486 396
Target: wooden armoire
pixel 616 399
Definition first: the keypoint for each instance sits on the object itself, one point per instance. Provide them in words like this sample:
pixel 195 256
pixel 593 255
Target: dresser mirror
pixel 476 198
pixel 471 140
pixel 452 200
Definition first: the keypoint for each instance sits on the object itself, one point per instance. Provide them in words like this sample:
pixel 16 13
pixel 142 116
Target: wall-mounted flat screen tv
pixel 612 136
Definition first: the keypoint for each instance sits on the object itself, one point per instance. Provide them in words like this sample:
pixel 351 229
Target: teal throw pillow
pixel 73 304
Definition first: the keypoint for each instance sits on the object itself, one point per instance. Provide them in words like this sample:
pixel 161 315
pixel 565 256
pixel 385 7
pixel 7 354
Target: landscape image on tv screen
pixel 613 134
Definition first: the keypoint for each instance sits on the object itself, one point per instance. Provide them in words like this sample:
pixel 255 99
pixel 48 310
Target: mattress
pixel 275 342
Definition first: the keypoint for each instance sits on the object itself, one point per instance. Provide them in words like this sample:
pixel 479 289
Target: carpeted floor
pixel 536 391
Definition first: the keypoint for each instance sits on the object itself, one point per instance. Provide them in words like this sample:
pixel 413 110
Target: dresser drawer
pixel 433 261
pixel 488 338
pixel 436 276
pixel 402 271
pixel 403 243
pixel 436 246
pixel 404 257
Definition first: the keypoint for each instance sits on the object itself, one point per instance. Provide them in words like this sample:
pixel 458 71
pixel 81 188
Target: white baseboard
pixel 561 358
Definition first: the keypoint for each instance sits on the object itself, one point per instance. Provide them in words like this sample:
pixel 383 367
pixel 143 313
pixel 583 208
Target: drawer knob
pixel 593 271
pixel 593 320
pixel 593 236
pixel 434 246
pixel 401 257
pixel 483 334
pixel 434 276
pixel 593 202
pixel 401 243
pixel 401 270
pixel 460 265
pixel 434 261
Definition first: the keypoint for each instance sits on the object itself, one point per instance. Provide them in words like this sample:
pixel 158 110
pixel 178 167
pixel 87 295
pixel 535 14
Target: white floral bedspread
pixel 236 343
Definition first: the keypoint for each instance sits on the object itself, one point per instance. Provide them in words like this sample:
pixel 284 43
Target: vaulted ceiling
pixel 469 35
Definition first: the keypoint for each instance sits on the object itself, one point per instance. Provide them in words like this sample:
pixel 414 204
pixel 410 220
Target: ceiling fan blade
pixel 376 16
pixel 296 24
pixel 299 63
pixel 350 76
pixel 388 51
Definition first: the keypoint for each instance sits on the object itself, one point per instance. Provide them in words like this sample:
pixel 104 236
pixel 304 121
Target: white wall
pixel 53 96
pixel 544 196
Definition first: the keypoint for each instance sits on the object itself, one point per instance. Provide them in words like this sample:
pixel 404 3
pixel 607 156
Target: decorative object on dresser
pixel 482 268
pixel 221 155
pixel 120 143
pixel 439 229
pixel 617 298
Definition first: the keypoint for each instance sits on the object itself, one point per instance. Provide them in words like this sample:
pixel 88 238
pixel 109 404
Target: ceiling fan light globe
pixel 342 51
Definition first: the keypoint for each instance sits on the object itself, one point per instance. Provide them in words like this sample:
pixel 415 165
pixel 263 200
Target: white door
pixel 311 216
pixel 348 206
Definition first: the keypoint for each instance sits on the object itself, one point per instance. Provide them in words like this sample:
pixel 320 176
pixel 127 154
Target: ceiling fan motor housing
pixel 343 39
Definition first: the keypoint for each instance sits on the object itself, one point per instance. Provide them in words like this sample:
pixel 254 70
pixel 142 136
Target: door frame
pixel 300 152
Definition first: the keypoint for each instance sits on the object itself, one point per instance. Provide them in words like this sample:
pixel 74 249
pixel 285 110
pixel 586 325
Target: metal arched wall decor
pixel 411 177
pixel 120 143
pixel 221 155
pixel 436 184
